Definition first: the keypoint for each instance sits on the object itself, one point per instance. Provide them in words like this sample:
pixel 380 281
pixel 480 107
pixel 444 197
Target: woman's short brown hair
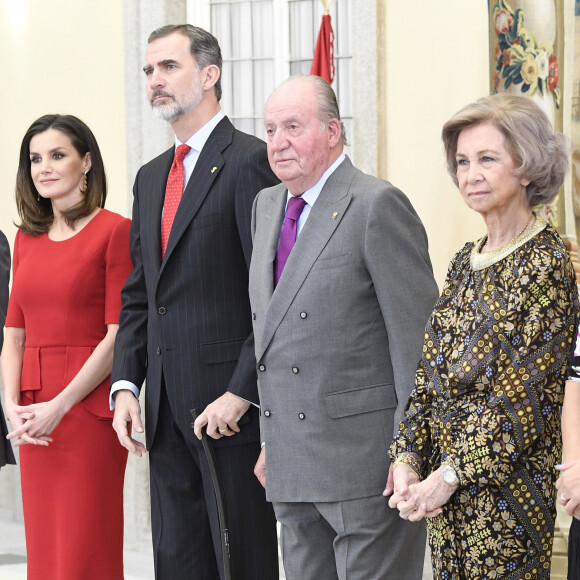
pixel 540 154
pixel 36 212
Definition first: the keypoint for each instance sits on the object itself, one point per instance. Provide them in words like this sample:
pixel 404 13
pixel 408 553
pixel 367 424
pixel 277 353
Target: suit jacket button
pixel 301 416
pixel 158 350
pixel 162 310
pixel 267 413
pixel 295 370
pixel 262 368
pixel 303 315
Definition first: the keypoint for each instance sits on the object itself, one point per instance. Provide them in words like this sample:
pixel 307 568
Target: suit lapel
pixel 265 246
pixel 207 168
pixel 324 218
pixel 274 216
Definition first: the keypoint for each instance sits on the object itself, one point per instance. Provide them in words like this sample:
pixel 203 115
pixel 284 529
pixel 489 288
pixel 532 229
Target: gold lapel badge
pixel 213 169
pixel 334 215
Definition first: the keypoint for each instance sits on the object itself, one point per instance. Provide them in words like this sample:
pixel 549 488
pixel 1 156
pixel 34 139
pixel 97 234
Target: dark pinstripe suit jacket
pixel 187 318
pixel 6 454
pixel 4 281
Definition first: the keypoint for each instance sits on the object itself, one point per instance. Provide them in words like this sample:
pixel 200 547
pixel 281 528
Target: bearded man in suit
pixel 339 318
pixel 185 324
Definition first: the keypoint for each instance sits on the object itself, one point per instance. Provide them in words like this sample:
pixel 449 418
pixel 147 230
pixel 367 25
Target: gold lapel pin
pixel 213 169
pixel 334 215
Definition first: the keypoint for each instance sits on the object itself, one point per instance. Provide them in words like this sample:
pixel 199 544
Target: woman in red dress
pixel 71 259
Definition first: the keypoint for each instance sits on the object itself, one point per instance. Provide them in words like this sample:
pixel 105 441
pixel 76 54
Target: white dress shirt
pixel 311 195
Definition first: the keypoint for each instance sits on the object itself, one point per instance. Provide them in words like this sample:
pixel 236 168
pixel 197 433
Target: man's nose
pixel 155 80
pixel 279 140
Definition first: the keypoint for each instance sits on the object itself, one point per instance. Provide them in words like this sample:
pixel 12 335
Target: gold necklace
pixel 479 261
pixel 532 215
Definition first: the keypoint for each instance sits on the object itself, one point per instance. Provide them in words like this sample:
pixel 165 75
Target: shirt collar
pixel 198 139
pixel 311 195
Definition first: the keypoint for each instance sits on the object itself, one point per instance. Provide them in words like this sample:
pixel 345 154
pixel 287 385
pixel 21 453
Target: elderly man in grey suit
pixel 341 287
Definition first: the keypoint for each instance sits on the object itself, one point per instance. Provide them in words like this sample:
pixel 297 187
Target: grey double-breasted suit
pixel 337 345
pixel 339 339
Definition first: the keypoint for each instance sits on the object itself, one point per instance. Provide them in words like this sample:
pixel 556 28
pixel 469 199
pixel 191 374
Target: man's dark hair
pixel 204 47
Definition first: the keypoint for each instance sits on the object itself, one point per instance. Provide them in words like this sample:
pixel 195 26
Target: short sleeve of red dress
pixel 118 267
pixel 14 315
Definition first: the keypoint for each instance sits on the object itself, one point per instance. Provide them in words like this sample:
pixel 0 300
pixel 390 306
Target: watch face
pixel 449 475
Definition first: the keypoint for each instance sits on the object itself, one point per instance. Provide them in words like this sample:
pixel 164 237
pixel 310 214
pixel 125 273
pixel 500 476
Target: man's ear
pixel 211 76
pixel 334 128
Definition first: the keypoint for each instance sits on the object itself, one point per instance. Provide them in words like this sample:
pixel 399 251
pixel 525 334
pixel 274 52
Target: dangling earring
pixel 38 197
pixel 83 187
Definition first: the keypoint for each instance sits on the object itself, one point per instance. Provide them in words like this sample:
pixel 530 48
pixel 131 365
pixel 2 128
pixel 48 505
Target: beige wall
pixel 62 56
pixel 435 61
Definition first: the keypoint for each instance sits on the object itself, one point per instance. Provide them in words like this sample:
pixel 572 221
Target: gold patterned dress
pixel 487 400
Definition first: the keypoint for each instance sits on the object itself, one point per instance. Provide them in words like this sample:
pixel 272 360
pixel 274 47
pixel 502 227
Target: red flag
pixel 323 61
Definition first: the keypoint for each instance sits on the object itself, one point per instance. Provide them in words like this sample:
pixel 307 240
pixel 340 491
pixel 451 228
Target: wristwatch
pixel 449 475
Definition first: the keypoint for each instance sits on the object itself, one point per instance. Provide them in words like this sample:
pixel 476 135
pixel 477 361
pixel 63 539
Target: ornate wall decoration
pixel 520 59
pixel 525 58
pixel 575 113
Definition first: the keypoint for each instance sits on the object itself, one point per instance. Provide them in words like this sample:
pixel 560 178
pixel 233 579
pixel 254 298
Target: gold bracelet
pixel 409 459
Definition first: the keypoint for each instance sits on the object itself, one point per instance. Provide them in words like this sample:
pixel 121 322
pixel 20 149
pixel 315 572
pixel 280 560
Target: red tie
pixel 173 193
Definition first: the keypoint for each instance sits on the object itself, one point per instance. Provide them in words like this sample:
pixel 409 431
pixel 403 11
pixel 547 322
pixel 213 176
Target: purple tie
pixel 287 235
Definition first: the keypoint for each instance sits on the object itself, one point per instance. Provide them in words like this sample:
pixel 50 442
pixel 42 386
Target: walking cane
pixel 219 496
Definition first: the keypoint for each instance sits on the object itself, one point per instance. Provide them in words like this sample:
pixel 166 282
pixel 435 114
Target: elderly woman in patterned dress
pixel 476 450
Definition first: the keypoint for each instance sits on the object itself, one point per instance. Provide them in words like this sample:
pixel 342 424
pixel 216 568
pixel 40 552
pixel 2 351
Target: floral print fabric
pixel 487 397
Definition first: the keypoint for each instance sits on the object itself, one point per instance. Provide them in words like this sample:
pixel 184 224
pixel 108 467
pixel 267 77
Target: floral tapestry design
pixel 519 58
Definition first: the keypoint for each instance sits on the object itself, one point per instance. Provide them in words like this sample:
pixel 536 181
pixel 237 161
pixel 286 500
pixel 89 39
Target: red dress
pixel 64 294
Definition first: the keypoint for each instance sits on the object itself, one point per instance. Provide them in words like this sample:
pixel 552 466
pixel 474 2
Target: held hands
pixel 127 411
pixel 222 416
pixel 401 477
pixel 416 499
pixel 34 423
pixel 568 486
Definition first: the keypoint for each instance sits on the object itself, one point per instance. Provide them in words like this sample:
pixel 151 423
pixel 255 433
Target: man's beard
pixel 176 109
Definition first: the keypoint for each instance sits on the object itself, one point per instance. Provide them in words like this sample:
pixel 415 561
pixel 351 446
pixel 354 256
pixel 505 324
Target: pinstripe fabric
pixel 4 280
pixel 6 453
pixel 186 318
pixel 182 498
